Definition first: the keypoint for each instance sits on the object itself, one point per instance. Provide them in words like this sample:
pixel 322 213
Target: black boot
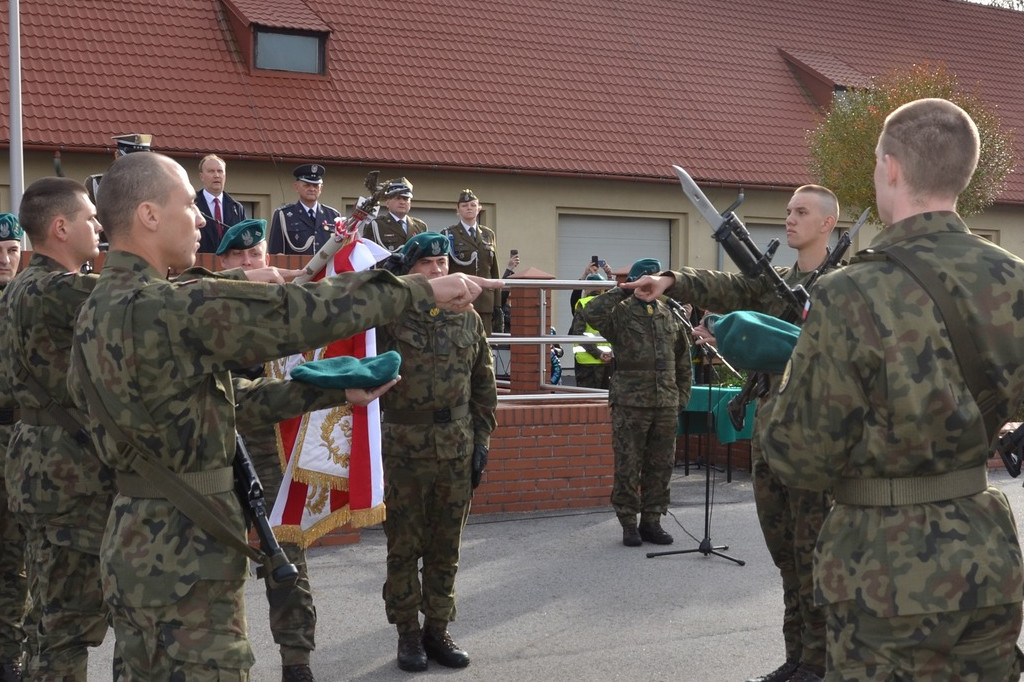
pixel 780 674
pixel 651 531
pixel 411 656
pixel 297 673
pixel 631 536
pixel 439 646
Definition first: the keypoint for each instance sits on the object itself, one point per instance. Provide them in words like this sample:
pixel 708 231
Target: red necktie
pixel 217 216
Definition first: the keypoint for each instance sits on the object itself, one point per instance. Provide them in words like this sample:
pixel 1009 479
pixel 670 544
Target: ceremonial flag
pixel 332 458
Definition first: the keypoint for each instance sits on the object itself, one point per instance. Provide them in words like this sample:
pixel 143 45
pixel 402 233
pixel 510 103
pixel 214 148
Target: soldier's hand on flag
pixel 649 287
pixel 364 396
pixel 272 275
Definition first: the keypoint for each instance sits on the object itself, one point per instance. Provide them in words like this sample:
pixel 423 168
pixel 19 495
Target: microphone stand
pixel 706 547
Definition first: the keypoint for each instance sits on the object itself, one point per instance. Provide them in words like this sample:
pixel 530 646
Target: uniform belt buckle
pixel 442 416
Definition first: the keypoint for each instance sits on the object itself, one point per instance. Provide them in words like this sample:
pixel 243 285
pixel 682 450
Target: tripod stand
pixel 705 547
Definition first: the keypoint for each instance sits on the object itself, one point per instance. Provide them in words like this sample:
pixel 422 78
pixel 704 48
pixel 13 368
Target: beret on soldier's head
pixel 753 341
pixel 399 187
pixel 644 266
pixel 426 245
pixel 313 173
pixel 10 228
pixel 597 277
pixel 243 235
pixel 466 195
pixel 349 372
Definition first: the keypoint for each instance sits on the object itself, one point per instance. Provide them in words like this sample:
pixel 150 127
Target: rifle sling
pixel 187 499
pixel 965 348
pixel 51 412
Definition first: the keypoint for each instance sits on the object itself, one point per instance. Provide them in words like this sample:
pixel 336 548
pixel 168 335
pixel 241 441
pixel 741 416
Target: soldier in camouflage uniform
pixel 437 427
pixel 56 482
pixel 651 383
pixel 14 588
pixel 393 229
pixel 789 515
pixel 157 356
pixel 918 563
pixel 474 252
pixel 292 613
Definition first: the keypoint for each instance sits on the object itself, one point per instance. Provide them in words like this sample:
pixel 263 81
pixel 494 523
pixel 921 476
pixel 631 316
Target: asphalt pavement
pixel 557 597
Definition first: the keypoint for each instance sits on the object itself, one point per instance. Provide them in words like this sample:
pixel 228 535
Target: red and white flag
pixel 333 472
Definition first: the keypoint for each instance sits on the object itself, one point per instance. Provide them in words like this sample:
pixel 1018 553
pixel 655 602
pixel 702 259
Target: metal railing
pixel 558 391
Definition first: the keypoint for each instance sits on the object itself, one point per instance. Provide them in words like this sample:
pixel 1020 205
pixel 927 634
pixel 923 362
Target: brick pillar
pixel 526 359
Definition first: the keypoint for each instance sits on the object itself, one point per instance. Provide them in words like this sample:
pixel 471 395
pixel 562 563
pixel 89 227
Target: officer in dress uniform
pixel 306 225
pixel 473 252
pixel 393 229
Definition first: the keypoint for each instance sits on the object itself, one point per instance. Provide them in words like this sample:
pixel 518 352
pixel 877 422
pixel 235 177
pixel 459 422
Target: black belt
pixel 442 416
pixel 642 365
pixel 9 415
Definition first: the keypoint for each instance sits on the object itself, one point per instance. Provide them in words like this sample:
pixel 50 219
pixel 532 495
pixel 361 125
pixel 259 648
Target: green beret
pixel 10 228
pixel 644 266
pixel 348 372
pixel 596 277
pixel 754 341
pixel 243 235
pixel 426 245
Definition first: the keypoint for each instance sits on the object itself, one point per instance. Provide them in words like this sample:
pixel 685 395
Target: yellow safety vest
pixel 581 355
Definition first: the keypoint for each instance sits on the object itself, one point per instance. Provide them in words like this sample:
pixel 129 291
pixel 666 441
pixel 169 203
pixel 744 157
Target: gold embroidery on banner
pixel 317 502
pixel 341 417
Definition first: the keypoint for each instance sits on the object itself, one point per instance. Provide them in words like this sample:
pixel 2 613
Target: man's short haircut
pixel 206 158
pixel 829 200
pixel 131 181
pixel 44 200
pixel 936 144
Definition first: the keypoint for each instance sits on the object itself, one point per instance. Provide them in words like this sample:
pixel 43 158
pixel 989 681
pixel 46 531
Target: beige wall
pixel 523 210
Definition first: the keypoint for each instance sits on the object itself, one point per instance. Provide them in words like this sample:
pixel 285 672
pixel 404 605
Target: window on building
pixel 290 51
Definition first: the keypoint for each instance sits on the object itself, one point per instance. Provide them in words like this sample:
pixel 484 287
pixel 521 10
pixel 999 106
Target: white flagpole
pixel 17 170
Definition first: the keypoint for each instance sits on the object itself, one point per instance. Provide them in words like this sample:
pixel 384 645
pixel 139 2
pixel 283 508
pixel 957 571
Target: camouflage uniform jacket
pixel 386 231
pixel 446 362
pixel 161 354
pixel 643 333
pixel 874 391
pixel 484 265
pixel 8 404
pixel 48 471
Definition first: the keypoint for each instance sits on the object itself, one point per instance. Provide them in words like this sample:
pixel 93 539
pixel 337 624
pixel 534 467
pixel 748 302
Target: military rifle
pixel 735 239
pixel 281 572
pixel 1010 448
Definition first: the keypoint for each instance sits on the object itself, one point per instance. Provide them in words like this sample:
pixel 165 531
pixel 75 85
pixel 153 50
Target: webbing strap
pixel 894 492
pixel 209 482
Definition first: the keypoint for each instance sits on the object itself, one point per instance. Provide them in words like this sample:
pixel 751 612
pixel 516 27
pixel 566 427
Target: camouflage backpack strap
pixel 52 412
pixel 186 498
pixel 965 348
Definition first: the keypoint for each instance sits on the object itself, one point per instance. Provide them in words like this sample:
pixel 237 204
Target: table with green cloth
pixel 693 420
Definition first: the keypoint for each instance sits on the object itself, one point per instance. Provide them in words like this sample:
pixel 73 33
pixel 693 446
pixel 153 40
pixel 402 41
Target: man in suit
pixel 220 209
pixel 393 229
pixel 306 225
pixel 473 252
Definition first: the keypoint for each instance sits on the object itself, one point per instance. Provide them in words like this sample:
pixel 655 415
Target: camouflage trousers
pixel 428 503
pixel 292 613
pixel 790 520
pixel 14 585
pixel 201 638
pixel 966 646
pixel 67 613
pixel 644 440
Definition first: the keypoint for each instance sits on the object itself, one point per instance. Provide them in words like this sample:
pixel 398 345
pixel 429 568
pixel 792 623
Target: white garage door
pixel 619 240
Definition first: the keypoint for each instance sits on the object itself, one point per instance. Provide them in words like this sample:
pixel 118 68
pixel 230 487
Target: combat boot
pixel 630 534
pixel 807 673
pixel 297 673
pixel 411 656
pixel 10 671
pixel 651 531
pixel 781 674
pixel 439 646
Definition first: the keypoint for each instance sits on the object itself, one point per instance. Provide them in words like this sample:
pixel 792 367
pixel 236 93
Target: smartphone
pixel 593 259
pixel 601 263
pixel 513 252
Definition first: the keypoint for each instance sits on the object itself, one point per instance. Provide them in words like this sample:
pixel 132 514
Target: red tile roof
pixel 588 88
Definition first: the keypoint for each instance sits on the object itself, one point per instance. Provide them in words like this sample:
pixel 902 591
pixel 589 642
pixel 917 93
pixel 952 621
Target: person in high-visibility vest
pixel 593 361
